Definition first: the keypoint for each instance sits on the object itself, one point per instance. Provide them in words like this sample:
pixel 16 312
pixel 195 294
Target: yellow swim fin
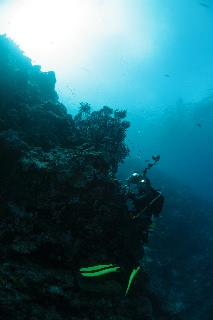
pixel 132 275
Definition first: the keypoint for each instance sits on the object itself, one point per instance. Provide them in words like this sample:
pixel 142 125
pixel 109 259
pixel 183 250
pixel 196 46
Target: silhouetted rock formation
pixel 61 206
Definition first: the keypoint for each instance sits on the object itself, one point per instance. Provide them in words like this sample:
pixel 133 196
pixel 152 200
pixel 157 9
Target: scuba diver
pixel 147 202
pixel 142 218
pixel 147 206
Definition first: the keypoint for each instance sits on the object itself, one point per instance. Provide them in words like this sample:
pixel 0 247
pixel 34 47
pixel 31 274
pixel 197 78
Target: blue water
pixel 171 116
pixel 183 136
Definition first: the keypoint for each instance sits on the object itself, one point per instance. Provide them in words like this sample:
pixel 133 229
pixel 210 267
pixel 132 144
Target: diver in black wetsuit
pixel 147 201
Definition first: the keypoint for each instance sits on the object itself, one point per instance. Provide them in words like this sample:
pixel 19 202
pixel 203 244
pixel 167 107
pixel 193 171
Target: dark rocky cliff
pixel 61 206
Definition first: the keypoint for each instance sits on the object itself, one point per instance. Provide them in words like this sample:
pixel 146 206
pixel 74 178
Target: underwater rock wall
pixel 61 206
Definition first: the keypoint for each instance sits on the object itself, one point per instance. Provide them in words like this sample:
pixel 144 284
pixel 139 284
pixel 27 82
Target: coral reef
pixel 61 206
pixel 100 128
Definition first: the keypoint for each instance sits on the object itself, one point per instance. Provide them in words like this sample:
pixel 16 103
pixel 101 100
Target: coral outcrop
pixel 61 206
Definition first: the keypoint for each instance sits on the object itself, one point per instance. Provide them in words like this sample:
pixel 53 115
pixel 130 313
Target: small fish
pixel 198 124
pixel 166 75
pixel 204 5
pixel 147 160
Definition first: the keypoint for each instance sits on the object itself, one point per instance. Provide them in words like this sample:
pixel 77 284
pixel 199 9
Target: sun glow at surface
pixel 49 29
pixel 42 28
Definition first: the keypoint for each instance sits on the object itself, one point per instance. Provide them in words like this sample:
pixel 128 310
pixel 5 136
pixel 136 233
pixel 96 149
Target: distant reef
pixel 61 205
